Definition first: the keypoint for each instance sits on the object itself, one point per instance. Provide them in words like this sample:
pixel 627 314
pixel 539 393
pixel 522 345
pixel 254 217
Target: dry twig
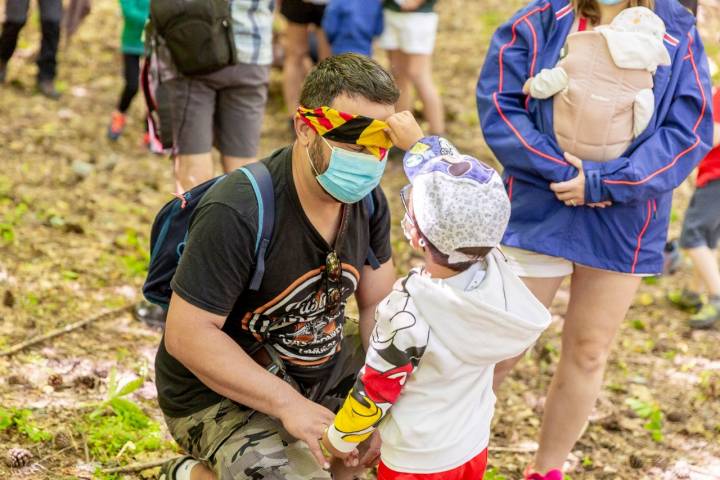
pixel 60 331
pixel 137 467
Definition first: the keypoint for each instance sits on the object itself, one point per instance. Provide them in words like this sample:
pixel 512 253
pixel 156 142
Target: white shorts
pixel 536 265
pixel 410 32
pixel 526 263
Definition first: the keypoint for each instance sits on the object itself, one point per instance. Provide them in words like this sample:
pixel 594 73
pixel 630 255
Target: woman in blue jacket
pixel 603 223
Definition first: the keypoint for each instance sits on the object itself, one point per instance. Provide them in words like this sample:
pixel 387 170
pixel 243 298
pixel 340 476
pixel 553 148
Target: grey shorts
pixel 701 227
pixel 224 109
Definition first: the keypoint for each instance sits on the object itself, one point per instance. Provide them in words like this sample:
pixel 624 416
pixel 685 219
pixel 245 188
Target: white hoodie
pixel 431 359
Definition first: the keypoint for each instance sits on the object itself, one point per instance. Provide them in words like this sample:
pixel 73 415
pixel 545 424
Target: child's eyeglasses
pixel 333 283
pixel 405 197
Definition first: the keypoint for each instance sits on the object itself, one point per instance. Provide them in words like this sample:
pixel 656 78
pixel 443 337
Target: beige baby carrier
pixel 591 125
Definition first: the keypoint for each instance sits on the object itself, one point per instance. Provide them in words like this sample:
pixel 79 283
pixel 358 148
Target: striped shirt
pixel 252 29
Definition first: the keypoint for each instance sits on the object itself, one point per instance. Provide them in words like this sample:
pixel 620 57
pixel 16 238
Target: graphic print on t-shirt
pixel 296 322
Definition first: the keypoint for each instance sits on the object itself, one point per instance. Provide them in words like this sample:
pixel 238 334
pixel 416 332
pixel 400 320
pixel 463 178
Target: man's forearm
pixel 226 369
pixel 366 323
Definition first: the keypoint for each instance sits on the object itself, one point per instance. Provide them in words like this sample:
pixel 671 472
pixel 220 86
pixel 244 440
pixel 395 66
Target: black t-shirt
pixel 288 311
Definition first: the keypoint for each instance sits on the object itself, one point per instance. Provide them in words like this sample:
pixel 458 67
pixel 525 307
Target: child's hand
pixel 350 459
pixel 403 130
pixel 526 87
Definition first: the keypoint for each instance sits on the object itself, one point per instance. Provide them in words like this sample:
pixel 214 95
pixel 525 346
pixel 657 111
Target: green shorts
pixel 239 443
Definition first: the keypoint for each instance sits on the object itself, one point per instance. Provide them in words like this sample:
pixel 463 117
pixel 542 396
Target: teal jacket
pixel 135 13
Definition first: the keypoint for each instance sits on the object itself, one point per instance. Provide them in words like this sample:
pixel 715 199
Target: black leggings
pixel 131 72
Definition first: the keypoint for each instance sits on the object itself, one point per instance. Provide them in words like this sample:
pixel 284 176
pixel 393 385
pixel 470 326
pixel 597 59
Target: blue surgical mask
pixel 350 175
pixel 610 2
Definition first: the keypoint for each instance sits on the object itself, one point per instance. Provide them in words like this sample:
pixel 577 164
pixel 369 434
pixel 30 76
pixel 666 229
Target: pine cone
pixel 18 458
pixel 55 380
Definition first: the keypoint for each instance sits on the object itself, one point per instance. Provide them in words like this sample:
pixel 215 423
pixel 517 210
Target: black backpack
pixel 198 33
pixel 170 231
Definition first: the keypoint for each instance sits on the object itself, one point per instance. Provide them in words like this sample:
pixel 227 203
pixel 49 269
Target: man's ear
pixel 304 134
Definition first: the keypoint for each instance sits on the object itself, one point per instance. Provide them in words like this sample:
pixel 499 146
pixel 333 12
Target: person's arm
pixel 547 83
pixel 373 287
pixel 194 337
pixel 507 127
pixel 663 161
pixel 213 272
pixel 398 343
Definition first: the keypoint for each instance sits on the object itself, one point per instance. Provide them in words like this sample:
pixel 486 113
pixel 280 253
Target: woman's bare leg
pixel 419 69
pixel 296 49
pixel 599 301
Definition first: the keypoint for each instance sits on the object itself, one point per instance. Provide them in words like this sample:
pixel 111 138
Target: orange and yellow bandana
pixel 347 128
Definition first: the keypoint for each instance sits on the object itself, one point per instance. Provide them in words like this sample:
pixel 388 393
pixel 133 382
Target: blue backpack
pixel 170 231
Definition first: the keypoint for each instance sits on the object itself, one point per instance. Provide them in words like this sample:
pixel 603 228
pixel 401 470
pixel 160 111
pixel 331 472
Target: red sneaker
pixel 553 474
pixel 117 125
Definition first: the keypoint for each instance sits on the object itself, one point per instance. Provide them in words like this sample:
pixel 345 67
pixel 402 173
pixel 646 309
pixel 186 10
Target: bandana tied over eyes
pixel 347 128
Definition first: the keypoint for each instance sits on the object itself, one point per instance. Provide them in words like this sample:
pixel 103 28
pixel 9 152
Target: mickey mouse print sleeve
pixel 396 346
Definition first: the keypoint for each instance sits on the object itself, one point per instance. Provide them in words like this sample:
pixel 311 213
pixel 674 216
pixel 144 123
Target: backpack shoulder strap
pixel 261 182
pixel 369 203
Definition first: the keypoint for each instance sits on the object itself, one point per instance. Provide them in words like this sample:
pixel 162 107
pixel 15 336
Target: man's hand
pixel 307 421
pixel 571 192
pixel 403 130
pixel 371 450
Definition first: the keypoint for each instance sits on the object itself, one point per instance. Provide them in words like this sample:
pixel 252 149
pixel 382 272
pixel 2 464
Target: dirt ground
pixel 75 213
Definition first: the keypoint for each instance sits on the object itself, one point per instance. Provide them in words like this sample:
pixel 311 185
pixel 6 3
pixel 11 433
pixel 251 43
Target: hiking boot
pixel 686 300
pixel 3 72
pixel 117 125
pixel 168 469
pixel 150 314
pixel 708 315
pixel 47 89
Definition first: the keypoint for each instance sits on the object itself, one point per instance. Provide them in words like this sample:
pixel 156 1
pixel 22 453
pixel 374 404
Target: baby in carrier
pixel 602 86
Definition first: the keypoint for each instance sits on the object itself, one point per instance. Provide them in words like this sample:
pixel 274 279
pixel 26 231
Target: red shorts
pixel 472 470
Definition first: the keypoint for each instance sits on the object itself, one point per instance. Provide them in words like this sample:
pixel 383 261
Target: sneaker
pixel 553 474
pixel 47 89
pixel 672 261
pixel 168 469
pixel 686 300
pixel 150 314
pixel 117 125
pixel 708 315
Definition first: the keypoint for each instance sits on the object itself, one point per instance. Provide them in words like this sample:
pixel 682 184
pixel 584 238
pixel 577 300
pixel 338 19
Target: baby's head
pixel 456 206
pixel 639 20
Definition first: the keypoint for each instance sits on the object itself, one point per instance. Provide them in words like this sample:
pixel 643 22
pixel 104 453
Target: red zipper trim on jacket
pixel 534 58
pixel 690 56
pixel 640 235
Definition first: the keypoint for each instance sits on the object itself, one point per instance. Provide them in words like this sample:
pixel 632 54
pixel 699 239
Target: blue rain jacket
pixel 628 236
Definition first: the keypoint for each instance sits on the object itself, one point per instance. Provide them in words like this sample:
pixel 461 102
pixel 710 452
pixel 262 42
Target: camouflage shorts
pixel 238 443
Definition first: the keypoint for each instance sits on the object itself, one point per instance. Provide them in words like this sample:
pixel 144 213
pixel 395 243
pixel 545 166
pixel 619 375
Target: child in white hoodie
pixel 427 381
